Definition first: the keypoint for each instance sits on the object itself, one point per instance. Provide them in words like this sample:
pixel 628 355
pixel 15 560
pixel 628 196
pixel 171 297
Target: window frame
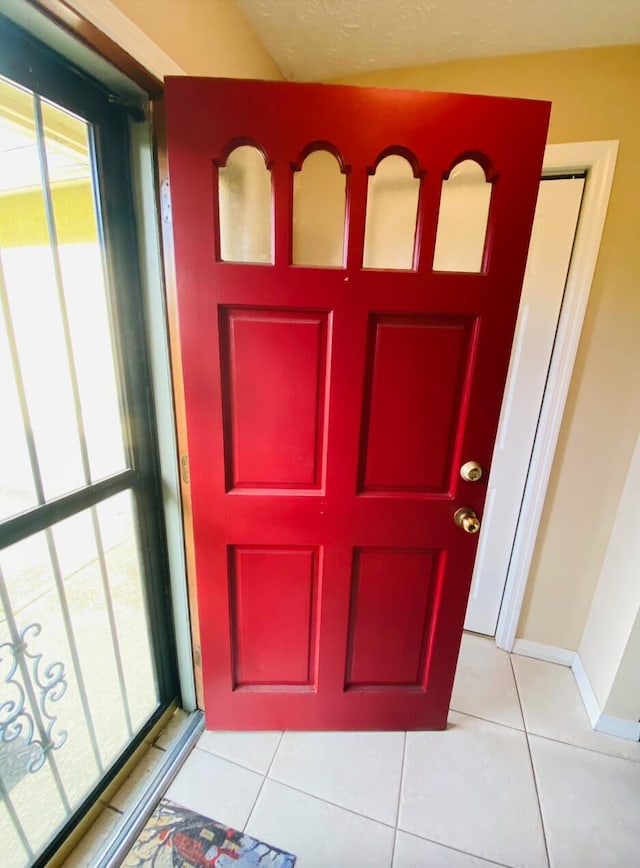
pixel 33 65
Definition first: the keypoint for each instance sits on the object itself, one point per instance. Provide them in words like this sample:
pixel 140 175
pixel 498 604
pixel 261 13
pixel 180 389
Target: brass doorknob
pixel 471 471
pixel 467 520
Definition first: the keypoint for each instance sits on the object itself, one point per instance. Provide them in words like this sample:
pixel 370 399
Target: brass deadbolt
pixel 471 471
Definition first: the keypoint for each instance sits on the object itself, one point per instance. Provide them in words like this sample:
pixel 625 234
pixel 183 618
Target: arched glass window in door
pixel 392 210
pixel 462 219
pixel 319 189
pixel 244 206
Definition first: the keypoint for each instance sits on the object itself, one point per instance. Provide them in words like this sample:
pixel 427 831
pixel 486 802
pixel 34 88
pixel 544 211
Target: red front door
pixel 331 406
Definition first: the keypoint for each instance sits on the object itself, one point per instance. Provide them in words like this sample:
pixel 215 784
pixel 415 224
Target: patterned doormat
pixel 175 836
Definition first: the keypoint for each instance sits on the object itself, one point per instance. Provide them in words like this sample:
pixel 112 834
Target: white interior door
pixel 554 230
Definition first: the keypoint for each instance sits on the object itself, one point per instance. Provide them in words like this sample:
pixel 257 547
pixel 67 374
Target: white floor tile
pixel 413 852
pixel 484 685
pixel 356 770
pixel 471 787
pixel 553 707
pixel 319 834
pixel 218 789
pixel 254 750
pixel 590 806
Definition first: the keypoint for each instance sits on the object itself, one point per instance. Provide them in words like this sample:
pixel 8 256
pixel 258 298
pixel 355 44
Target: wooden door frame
pixel 173 326
pixel 103 27
pixel 598 159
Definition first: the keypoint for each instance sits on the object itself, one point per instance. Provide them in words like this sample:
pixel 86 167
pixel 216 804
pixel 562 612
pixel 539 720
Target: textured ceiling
pixel 321 39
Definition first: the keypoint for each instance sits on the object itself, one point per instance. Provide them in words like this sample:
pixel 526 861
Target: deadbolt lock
pixel 471 471
pixel 467 520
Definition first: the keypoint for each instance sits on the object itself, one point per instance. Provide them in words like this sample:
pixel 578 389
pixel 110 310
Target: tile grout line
pixel 616 756
pixel 489 720
pixel 395 833
pixel 455 849
pixel 264 780
pixel 396 829
pixel 231 762
pixel 533 768
pixel 546 737
pixel 333 804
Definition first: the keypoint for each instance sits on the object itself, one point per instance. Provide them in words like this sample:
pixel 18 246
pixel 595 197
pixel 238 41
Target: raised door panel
pixel 272 593
pixel 416 369
pixel 274 395
pixel 392 594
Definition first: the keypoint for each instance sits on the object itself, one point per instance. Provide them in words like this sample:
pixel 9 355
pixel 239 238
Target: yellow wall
pixel 205 37
pixel 595 95
pixel 23 221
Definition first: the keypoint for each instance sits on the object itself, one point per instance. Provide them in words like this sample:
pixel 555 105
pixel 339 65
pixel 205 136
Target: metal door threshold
pixel 120 841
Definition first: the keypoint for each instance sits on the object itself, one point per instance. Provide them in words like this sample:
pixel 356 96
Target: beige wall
pixel 610 646
pixel 595 95
pixel 623 701
pixel 204 37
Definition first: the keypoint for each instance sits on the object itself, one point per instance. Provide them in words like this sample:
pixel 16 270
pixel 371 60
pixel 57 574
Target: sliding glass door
pixel 86 651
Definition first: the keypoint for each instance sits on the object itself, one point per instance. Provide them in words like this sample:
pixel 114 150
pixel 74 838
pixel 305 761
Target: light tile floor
pixel 517 779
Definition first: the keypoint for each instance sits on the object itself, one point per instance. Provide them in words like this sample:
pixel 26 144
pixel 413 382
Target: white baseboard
pixel 629 729
pixel 605 723
pixel 550 653
pixel 586 691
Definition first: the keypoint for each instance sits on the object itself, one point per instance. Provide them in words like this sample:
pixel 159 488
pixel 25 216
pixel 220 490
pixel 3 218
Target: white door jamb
pixel 598 159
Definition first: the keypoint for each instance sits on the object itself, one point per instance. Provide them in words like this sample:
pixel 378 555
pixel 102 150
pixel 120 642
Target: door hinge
pixel 165 201
pixel 184 467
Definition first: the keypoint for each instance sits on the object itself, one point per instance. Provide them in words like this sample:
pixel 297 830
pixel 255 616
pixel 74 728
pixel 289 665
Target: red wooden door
pixel 329 409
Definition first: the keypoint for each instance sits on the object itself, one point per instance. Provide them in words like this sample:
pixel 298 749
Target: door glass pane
pixel 68 161
pixel 17 490
pixel 244 203
pixel 32 309
pixel 73 594
pixel 392 209
pixel 54 309
pixel 78 678
pixel 318 211
pixel 462 219
pixel 117 525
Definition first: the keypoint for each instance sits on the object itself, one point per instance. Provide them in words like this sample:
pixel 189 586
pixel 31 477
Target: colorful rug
pixel 175 836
